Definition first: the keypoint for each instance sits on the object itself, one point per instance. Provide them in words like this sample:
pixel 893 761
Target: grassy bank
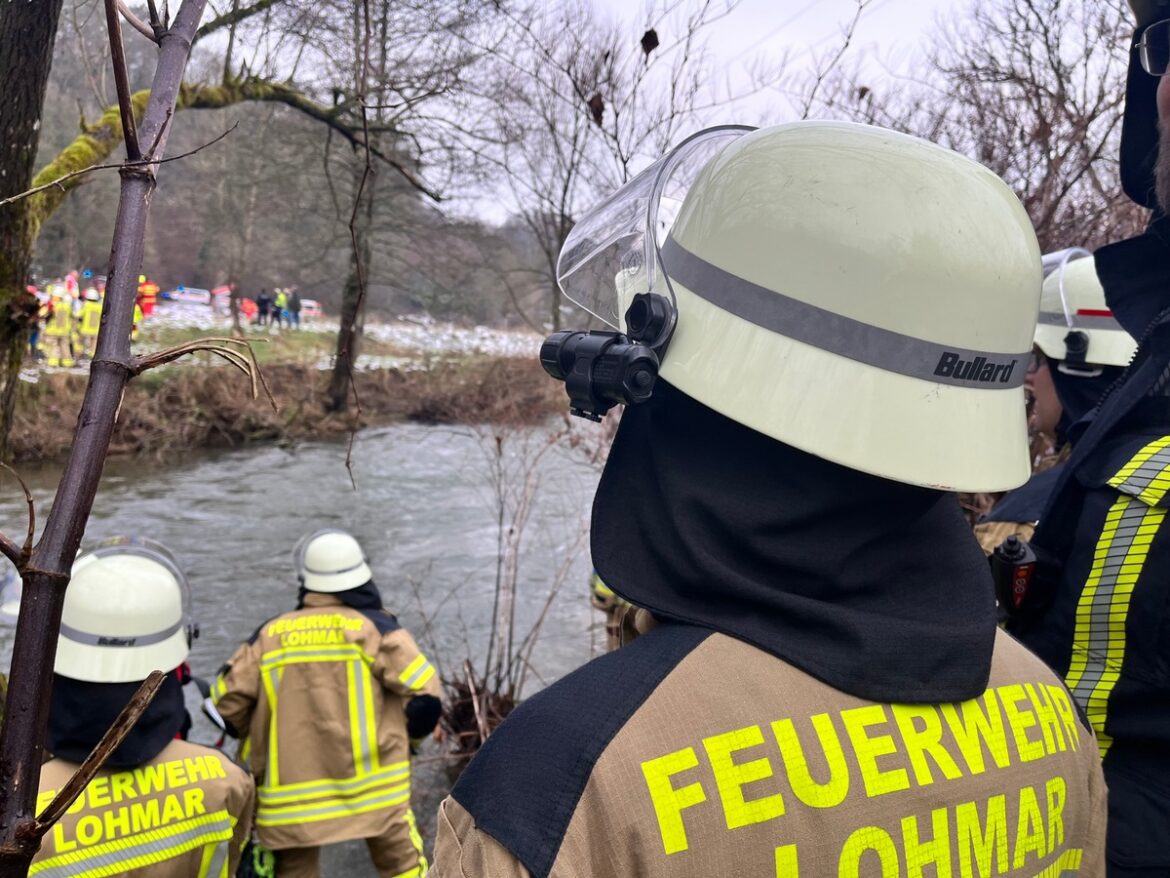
pixel 195 406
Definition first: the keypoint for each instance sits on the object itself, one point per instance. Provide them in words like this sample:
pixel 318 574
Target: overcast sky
pixel 891 34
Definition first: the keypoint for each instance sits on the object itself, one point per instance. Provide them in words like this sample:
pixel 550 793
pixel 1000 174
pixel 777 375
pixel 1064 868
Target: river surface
pixel 426 510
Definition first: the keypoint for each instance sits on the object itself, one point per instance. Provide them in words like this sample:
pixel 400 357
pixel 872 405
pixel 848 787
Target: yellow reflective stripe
pixel 214 863
pixel 218 689
pixel 370 723
pixel 1099 637
pixel 332 788
pixel 416 840
pixel 331 809
pixel 362 733
pixel 271 772
pixel 1067 864
pixel 1147 475
pixel 288 655
pixel 137 851
pixel 417 674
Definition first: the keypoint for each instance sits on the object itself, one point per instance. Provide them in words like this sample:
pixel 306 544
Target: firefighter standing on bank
pixel 91 321
pixel 58 331
pixel 829 338
pixel 329 697
pixel 161 807
pixel 1099 609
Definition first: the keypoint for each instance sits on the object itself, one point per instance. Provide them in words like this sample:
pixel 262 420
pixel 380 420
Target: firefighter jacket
pixel 91 317
pixel 60 322
pixel 702 755
pixel 1100 610
pixel 322 695
pixel 186 813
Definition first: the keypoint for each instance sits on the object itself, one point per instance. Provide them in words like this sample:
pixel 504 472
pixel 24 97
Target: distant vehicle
pixel 311 308
pixel 193 295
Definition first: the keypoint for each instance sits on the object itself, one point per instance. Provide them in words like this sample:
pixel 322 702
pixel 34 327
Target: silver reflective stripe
pixel 219 861
pixel 158 849
pixel 118 639
pixel 841 335
pixel 1081 321
pixel 308 569
pixel 362 699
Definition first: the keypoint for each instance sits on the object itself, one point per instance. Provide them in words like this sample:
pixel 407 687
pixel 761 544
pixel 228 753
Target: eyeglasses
pixel 1154 48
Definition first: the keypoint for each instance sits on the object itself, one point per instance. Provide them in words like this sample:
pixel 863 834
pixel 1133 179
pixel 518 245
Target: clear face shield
pixel 153 551
pixel 611 266
pixel 1057 309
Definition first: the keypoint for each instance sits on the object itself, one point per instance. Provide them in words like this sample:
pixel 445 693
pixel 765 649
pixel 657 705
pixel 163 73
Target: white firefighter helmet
pixel 859 294
pixel 331 561
pixel 1076 326
pixel 125 614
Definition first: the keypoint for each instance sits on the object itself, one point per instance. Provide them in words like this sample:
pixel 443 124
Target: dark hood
pixel 364 597
pixel 1139 131
pixel 874 587
pixel 81 712
pixel 1135 274
pixel 1079 394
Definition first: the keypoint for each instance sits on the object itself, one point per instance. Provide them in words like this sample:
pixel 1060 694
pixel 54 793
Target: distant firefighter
pixel 329 697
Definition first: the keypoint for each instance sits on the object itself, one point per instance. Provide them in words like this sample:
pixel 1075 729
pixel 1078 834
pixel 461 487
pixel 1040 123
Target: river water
pixel 426 510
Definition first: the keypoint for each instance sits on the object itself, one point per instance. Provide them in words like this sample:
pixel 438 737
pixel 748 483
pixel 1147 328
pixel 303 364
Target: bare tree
pixel 577 103
pixel 1034 90
pixel 45 566
pixel 27 32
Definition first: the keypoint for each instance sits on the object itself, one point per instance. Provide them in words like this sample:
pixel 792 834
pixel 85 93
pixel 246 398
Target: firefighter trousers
pixel 397 854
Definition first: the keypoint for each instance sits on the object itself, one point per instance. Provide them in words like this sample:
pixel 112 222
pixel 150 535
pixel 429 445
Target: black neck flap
pixel 81 712
pixel 364 597
pixel 874 587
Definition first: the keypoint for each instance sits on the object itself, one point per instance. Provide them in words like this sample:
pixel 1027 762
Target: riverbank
pixel 202 405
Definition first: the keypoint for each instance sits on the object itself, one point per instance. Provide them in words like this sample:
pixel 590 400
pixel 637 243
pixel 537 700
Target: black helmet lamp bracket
pixel 604 368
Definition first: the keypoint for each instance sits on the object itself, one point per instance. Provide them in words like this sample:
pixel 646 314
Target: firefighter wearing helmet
pixel 1098 606
pixel 819 330
pixel 161 807
pixel 1080 351
pixel 330 697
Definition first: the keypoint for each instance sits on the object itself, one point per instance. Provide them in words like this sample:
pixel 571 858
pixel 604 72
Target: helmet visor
pixel 1055 304
pixel 1154 48
pixel 613 252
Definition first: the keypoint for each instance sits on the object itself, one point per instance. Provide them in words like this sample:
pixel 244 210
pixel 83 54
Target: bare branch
pixel 140 162
pixel 26 552
pixel 135 22
pixel 234 17
pixel 93 762
pixel 122 81
pixel 249 365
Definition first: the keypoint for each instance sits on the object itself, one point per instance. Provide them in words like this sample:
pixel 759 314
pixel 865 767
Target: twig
pixel 470 674
pixel 146 161
pixel 97 757
pixel 26 552
pixel 122 82
pixel 249 365
pixel 137 23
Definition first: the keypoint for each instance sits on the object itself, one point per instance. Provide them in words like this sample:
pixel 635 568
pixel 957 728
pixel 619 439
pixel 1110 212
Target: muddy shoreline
pixel 197 406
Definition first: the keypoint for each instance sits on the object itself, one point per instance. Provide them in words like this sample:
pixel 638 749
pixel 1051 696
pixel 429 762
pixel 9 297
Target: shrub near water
pixel 196 407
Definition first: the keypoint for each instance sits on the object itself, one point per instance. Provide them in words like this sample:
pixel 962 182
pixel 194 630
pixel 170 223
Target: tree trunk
pixel 46 573
pixel 353 310
pixel 27 32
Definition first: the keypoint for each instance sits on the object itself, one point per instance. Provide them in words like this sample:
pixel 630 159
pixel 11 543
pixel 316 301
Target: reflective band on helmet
pixel 118 639
pixel 308 569
pixel 841 335
pixel 1081 321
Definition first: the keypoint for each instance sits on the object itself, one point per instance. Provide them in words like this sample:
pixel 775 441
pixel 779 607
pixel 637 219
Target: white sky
pixel 890 35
